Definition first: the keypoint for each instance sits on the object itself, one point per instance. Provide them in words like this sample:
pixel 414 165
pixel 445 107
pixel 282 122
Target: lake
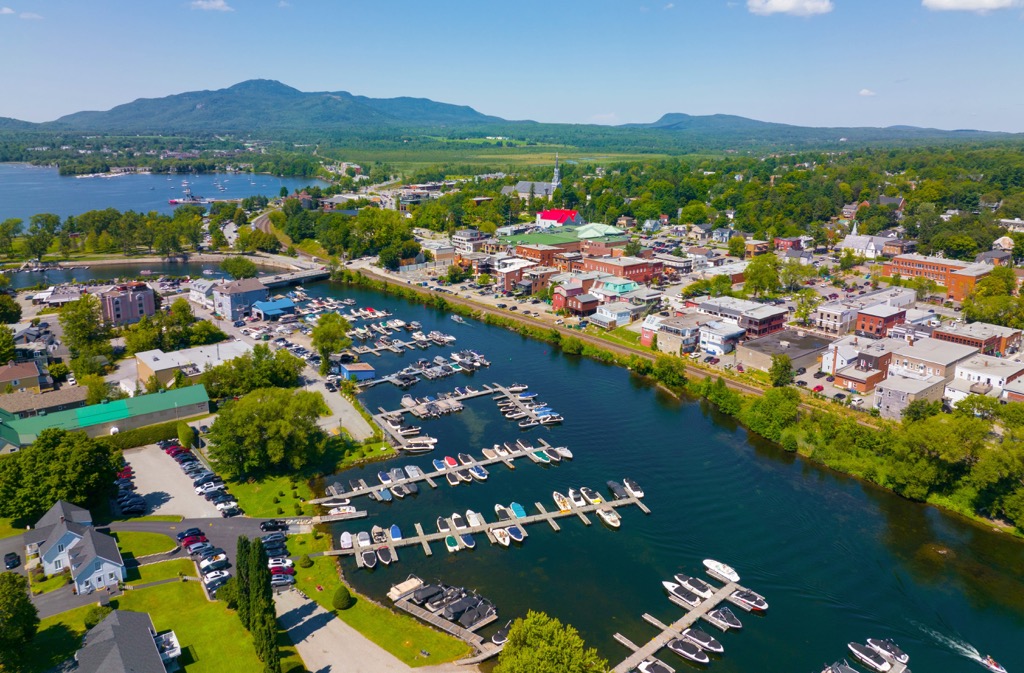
pixel 27 190
pixel 105 272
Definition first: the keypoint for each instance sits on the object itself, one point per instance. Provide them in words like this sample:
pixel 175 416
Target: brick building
pixel 959 278
pixel 875 322
pixel 128 303
pixel 987 338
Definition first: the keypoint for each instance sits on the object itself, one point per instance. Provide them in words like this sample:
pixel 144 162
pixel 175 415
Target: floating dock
pixel 484 648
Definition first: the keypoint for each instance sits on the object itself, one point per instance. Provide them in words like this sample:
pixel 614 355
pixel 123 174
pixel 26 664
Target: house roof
pixel 275 307
pixel 200 356
pixel 67 511
pixel 121 643
pixel 93 545
pixel 977 330
pixel 795 343
pixel 241 286
pixel 881 311
pixel 357 367
pixel 989 365
pixel 202 285
pixel 17 371
pixel 908 385
pixel 18 402
pixel 936 350
pixel 559 215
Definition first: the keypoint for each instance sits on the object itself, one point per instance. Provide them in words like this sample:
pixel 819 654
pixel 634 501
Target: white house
pixel 614 314
pixel 201 292
pixel 864 246
pixel 982 375
pixel 719 337
pixel 65 541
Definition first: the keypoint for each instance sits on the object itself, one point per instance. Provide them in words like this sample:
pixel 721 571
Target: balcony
pixel 167 644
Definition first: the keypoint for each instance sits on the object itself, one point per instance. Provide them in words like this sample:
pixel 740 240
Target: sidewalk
pixel 343 413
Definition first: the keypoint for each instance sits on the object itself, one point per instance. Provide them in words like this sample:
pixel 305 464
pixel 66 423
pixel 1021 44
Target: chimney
pixel 62 518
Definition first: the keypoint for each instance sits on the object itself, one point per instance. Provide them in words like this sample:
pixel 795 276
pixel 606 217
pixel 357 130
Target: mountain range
pixel 268 106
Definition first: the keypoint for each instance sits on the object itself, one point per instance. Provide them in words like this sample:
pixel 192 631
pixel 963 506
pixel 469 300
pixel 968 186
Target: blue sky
pixel 941 63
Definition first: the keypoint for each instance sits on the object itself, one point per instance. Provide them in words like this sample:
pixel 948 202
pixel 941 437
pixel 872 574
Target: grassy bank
pixel 8 530
pixel 164 570
pixel 137 545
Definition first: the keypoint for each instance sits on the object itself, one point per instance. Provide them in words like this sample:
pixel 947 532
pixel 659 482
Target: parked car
pixel 802 384
pixel 331 388
pixel 820 375
pixel 281 580
pixel 271 537
pixel 210 553
pixel 230 512
pixel 740 369
pixel 208 561
pixel 801 371
pixel 12 560
pixel 281 570
pixel 215 575
pixel 830 379
pixel 839 397
pixel 818 388
pixel 279 563
pixel 216 584
pixel 273 524
pixel 198 548
pixel 192 539
pixel 209 487
pixel 226 504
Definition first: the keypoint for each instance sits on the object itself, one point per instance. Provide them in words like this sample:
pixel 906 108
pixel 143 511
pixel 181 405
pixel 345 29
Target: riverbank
pixel 869 449
pixel 198 258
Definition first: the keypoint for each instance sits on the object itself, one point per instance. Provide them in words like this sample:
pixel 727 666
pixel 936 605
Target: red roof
pixel 559 215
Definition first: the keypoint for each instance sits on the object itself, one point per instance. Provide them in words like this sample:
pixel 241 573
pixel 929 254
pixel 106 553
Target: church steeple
pixel 556 181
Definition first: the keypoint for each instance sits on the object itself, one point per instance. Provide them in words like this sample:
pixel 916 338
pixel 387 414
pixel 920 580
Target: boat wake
pixel 957 645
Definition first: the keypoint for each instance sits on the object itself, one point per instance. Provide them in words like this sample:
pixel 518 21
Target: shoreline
pixel 197 258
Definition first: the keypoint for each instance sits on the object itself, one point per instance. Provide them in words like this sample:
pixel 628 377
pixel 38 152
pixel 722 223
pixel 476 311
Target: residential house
pixel 676 335
pixel 850 209
pixel 875 322
pixel 127 642
pixel 805 257
pixel 24 376
pixel 65 541
pixel 985 337
pixel 754 248
pixel 625 222
pixel 803 348
pixel 982 375
pixel 127 303
pixel 612 288
pixel 673 264
pixel 929 357
pixel 509 272
pixel 651 226
pixel 616 314
pixel 1004 243
pixel 718 337
pixel 702 257
pixel 26 404
pixel 995 258
pixel 898 246
pixel 788 243
pixel 234 300
pixel 722 235
pixel 897 203
pixel 582 304
pixel 201 292
pixel 700 233
pixel 893 395
pixel 191 362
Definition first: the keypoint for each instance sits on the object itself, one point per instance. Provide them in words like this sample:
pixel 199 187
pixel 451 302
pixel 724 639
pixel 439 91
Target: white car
pixel 203 565
pixel 203 489
pixel 279 563
pixel 215 575
pixel 227 504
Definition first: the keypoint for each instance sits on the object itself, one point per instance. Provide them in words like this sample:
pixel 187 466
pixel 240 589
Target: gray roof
pixel 67 511
pixel 121 643
pixel 92 546
pixel 17 402
pixel 241 286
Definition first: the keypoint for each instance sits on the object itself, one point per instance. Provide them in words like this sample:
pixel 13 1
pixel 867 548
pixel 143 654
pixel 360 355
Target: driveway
pixel 16 545
pixel 342 413
pixel 221 532
pixel 165 487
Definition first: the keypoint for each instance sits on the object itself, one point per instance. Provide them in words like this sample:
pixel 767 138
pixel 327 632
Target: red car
pixel 818 389
pixel 189 541
pixel 282 571
pixel 126 474
pixel 174 450
pixel 739 368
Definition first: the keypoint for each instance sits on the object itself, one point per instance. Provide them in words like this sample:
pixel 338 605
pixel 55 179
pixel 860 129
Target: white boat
pixel 344 509
pixel 752 600
pixel 564 452
pixel 561 502
pixel 576 499
pixel 682 593
pixel 345 542
pixel 889 649
pixel 609 516
pixel 591 496
pixel 721 571
pixel 502 537
pixel 474 518
pixel 992 665
pixel 363 539
pixel 869 657
pixel 655 666
pixel 633 488
pixel 688 650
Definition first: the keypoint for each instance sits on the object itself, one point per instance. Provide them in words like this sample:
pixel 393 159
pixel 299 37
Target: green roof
pixel 25 430
pixel 561 235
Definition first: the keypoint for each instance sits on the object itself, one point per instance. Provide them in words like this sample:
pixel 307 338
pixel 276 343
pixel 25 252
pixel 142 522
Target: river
pixel 27 190
pixel 105 272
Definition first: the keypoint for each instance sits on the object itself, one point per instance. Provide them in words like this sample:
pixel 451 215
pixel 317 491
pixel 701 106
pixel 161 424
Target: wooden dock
pixel 334 494
pixel 484 648
pixel 647 651
pixel 424 539
pixel 331 518
pixel 504 395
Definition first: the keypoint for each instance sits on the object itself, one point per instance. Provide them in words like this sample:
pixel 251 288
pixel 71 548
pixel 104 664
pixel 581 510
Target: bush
pixel 281 493
pixel 298 509
pixel 276 500
pixel 186 435
pixel 280 511
pixel 140 436
pixel 343 599
pixel 305 561
pixel 96 614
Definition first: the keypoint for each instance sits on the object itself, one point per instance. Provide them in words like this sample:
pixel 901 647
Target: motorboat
pixel 369 558
pixel 395 532
pixel 489 454
pixel 839 667
pixel 992 665
pixel 561 501
pixel 449 595
pixel 527 396
pixel 442 525
pixel 456 609
pixel 541 456
pixel 528 423
pixel 688 650
pixel 413 472
pixel 451 543
pixel 459 522
pixel 576 499
pixel 502 537
pixel 466 459
pixel 378 535
pixel 452 479
pixel 439 464
pixel 344 509
pixel 399 491
pixel 550 419
pixel 516 533
pixel 411 488
pixel 474 616
pixel 504 513
pixel 616 489
pixel 564 452
pixel 518 511
pixel 501 637
pixel 869 657
pixel 501 450
pixel 463 475
pixel 384 495
pixel 468 541
pixel 696 585
pixel 555 456
pixel 633 488
pixel 609 516
pixel 450 462
pixel 426 593
pixel 591 496
pixel 682 593
pixel 888 648
pixel 336 502
pixel 752 600
pixel 479 473
pixel 654 666
pixel 721 571
pixel 397 474
pixel 515 415
pixel 345 541
pixel 363 539
pixel 384 478
pixel 517 387
pixel 474 519
pixel 703 640
pixel 724 618
pixel 384 555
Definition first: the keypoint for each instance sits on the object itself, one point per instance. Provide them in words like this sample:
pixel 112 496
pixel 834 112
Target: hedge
pixel 151 434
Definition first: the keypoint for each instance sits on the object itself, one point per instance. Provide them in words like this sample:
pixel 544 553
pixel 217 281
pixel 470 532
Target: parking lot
pixel 166 489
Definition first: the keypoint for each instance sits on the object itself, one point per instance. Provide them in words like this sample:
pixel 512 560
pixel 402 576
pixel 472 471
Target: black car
pixel 802 384
pixel 230 512
pixel 210 553
pixel 191 532
pixel 202 478
pixel 11 560
pixel 801 371
pixel 274 548
pixel 820 375
pixel 216 584
pixel 839 396
pixel 273 524
pixel 204 429
pixel 222 496
pixel 271 538
pixel 211 496
pixel 331 388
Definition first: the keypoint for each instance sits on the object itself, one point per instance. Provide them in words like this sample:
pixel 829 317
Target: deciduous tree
pixel 329 337
pixel 541 644
pixel 19 621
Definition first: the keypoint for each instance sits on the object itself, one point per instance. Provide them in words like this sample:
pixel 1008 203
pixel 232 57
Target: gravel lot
pixel 165 487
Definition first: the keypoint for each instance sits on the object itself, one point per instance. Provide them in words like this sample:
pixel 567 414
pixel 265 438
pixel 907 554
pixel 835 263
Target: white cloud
pixel 795 7
pixel 866 92
pixel 212 5
pixel 30 16
pixel 6 10
pixel 981 6
pixel 670 5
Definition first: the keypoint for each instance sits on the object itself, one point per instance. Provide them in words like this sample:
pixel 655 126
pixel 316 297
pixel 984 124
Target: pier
pixel 485 649
pixel 420 411
pixel 295 277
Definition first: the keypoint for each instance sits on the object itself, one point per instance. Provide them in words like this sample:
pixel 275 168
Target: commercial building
pixel 234 300
pixel 356 371
pixel 803 348
pixel 613 288
pixel 985 337
pixel 109 418
pixel 127 304
pixel 558 217
pixel 756 319
pixel 676 335
pixel 928 357
pixel 959 278
pixel 273 309
pixel 466 241
pixel 509 271
pixel 893 395
pixel 191 362
pixel 859 364
pixel 630 268
pixel 875 322
pixel 127 642
pixel 840 316
pixel 982 375
pixel 754 248
pixel 538 252
pixel 718 337
pixel 65 541
pixel 615 314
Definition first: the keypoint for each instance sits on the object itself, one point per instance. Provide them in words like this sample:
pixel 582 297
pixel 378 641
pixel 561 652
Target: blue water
pixel 27 190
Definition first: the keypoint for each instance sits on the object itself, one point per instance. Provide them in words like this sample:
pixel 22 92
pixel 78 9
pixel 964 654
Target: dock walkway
pixel 485 649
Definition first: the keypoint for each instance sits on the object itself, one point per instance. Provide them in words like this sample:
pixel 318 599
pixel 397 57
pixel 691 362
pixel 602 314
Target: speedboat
pixel 395 532
pixel 450 462
pixel 688 650
pixel 476 614
pixel 992 665
pixel 451 543
pixel 576 499
pixel 654 666
pixel 345 542
pixel 752 600
pixel 504 513
pixel 703 640
pixel 888 648
pixel 502 537
pixel 501 636
pixel 541 456
pixel 724 618
pixel 426 593
pixel 369 558
pixel 474 519
pixel 453 480
pixel 363 539
pixel 516 533
pixel 399 491
pixel 501 450
pixel 518 511
pixel 517 387
pixel 384 554
pixel 377 535
pixel 397 474
pixel 697 586
pixel 564 452
pixel 466 459
pixel 413 472
pixel 344 509
pixel 683 594
pixel 869 657
pixel 528 423
pixel 610 517
pixel 515 415
pixel 633 488
pixel 551 419
pixel 489 454
pixel 411 488
pixel 554 455
pixel 561 501
pixel 384 495
pixel 616 489
pixel 839 667
pixel 721 571
pixel 467 540
pixel 463 475
pixel 591 496
pixel 459 521
pixel 479 473
pixel 449 595
pixel 439 464
pixel 527 396
pixel 442 525
pixel 384 477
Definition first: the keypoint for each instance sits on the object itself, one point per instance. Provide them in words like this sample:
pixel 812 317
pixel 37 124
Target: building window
pixel 60 547
pixel 58 564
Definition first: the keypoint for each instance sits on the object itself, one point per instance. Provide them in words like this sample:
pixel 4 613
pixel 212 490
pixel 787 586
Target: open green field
pixel 466 152
pixel 137 545
pixel 7 530
pixel 164 570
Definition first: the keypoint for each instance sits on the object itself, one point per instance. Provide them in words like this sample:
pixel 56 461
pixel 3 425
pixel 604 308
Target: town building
pixel 127 303
pixel 26 405
pixel 788 243
pixel 929 357
pixel 982 375
pixel 803 348
pixel 356 371
pixel 612 288
pixel 201 292
pixel 893 395
pixel 615 314
pixel 756 319
pixel 466 241
pixel 537 278
pixel 234 300
pixel 722 235
pixel 273 309
pixel 65 541
pixel 840 316
pixel 191 362
pixel 869 247
pixel 718 337
pixel 26 376
pixel 1013 391
pixel 959 278
pixel 676 335
pixel 805 257
pixel 898 246
pixel 127 642
pixel 985 337
pixel 631 268
pixel 875 322
pixel 538 252
pixel 509 271
pixel 558 217
pixel 442 251
pixel 859 364
pixel 754 248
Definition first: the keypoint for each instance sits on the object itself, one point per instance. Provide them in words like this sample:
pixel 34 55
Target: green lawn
pixel 57 639
pixel 7 530
pixel 137 545
pixel 51 583
pixel 160 571
pixel 399 634
pixel 256 498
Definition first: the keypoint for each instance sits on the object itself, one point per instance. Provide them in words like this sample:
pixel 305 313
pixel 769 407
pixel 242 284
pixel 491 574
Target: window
pixel 58 564
pixel 60 548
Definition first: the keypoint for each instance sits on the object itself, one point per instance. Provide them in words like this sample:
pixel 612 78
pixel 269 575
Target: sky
pixel 950 64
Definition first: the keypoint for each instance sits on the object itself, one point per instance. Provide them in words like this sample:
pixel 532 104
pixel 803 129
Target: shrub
pixel 343 599
pixel 305 561
pixel 96 614
pixel 280 493
pixel 298 509
pixel 140 436
pixel 276 500
pixel 280 511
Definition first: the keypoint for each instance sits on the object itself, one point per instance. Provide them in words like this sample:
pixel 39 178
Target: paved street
pixel 221 532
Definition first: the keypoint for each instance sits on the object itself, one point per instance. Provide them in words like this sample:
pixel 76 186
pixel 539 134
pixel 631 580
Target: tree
pixel 40 235
pixel 762 274
pixel 484 279
pixel 541 644
pixel 6 344
pixel 1000 281
pixel 670 371
pixel 84 331
pixel 19 621
pixel 793 274
pixel 923 286
pixel 330 336
pixel 781 370
pixel 242 579
pixel 9 230
pixel 918 410
pixel 239 267
pixel 737 246
pixel 848 260
pixel 807 302
pixel 268 429
pixel 261 368
pixel 96 386
pixel 96 614
pixel 342 598
pixel 633 248
pixel 186 435
pixel 774 412
pixel 10 310
pixel 218 241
